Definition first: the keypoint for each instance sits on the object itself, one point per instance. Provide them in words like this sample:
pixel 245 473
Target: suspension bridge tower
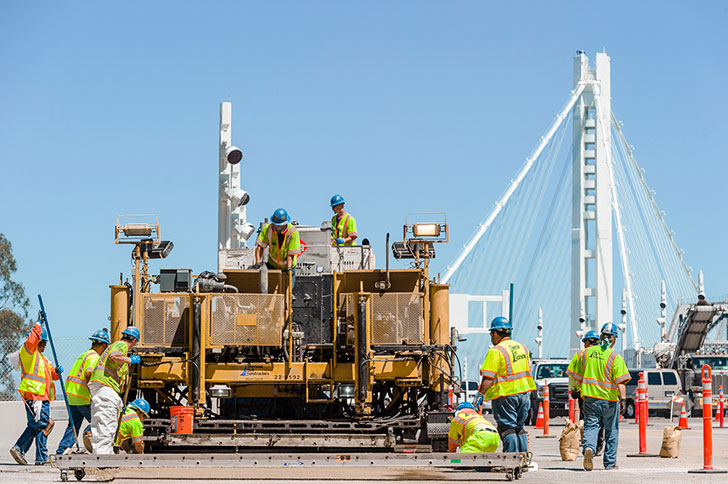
pixel 591 221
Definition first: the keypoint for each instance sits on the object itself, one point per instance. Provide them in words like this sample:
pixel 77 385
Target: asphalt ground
pixel 546 455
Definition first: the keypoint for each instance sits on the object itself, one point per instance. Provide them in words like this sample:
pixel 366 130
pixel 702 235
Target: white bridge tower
pixel 591 224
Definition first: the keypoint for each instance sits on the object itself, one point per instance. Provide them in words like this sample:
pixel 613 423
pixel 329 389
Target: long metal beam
pixel 514 183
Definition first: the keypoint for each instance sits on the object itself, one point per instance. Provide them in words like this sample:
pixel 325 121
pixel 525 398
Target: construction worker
pixel 283 242
pixel 343 224
pixel 79 397
pixel 37 389
pixel 507 379
pixel 574 371
pixel 604 375
pixel 131 430
pixel 105 385
pixel 471 431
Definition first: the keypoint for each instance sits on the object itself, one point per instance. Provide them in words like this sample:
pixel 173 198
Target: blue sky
pixel 112 108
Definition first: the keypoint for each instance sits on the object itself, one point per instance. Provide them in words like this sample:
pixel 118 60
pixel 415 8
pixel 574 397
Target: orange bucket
pixel 182 419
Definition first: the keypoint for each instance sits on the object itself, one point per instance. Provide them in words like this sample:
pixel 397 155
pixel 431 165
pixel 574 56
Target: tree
pixel 14 324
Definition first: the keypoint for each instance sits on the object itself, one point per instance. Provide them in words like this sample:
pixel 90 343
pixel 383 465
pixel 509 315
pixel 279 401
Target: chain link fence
pixel 67 347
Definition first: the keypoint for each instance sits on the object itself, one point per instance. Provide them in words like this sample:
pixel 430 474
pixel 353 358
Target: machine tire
pixel 79 474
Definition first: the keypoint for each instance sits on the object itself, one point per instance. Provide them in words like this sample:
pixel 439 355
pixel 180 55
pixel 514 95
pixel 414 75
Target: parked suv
pixel 663 385
pixel 553 371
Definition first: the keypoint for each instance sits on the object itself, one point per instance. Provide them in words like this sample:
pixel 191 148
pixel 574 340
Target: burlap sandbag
pixel 570 441
pixel 671 442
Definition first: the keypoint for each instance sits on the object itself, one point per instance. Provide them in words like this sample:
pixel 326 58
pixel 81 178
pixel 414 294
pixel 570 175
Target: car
pixel 552 371
pixel 663 391
pixel 468 391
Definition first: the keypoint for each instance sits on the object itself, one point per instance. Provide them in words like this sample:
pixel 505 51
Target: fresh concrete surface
pixel 551 467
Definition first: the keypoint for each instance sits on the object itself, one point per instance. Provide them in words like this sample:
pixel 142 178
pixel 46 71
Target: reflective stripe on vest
pixel 106 371
pixel 280 259
pixel 76 384
pixel 597 382
pixel 518 377
pixel 460 425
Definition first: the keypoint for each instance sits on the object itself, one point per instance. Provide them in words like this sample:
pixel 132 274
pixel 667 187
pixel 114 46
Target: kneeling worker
pixel 131 429
pixel 471 431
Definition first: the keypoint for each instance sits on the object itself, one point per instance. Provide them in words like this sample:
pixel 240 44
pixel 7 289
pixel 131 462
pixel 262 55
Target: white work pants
pixel 105 407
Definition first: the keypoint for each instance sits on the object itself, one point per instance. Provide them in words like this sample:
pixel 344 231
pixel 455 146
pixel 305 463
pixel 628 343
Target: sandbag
pixel 570 441
pixel 671 437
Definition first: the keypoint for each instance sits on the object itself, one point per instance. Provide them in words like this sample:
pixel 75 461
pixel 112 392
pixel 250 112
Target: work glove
pixel 575 394
pixel 478 400
pixel 340 241
pixel 59 370
pixel 135 359
pixel 622 407
pixel 255 266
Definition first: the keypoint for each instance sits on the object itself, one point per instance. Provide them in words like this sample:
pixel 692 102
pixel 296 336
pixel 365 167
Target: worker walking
pixel 575 371
pixel 343 224
pixel 79 397
pixel 507 379
pixel 283 242
pixel 471 431
pixel 131 430
pixel 37 389
pixel 105 385
pixel 603 378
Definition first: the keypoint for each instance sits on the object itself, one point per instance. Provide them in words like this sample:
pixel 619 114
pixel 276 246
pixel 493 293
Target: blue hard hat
pixel 464 405
pixel 337 200
pixel 141 405
pixel 500 323
pixel 102 336
pixel 43 334
pixel 280 217
pixel 610 329
pixel 132 332
pixel 591 334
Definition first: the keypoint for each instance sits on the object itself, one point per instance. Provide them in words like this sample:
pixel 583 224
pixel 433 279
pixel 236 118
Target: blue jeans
pixel 510 414
pixel 33 432
pixel 602 413
pixel 78 413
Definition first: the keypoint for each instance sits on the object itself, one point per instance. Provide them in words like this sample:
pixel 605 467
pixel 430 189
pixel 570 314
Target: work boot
pixel 87 441
pixel 51 423
pixel 18 456
pixel 43 463
pixel 588 457
pixel 613 468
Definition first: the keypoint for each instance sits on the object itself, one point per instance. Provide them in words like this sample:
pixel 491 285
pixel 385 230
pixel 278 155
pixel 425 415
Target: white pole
pixel 662 320
pixel 623 326
pixel 539 340
pixel 513 184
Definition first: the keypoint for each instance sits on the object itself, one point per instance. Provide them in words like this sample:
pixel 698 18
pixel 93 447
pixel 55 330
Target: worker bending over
pixel 37 389
pixel 343 224
pixel 79 397
pixel 283 242
pixel 131 430
pixel 603 378
pixel 507 379
pixel 471 431
pixel 105 385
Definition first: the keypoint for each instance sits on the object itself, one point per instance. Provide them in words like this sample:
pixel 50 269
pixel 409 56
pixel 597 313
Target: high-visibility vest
pixel 131 427
pixel 343 227
pixel 109 372
pixel 278 252
pixel 576 369
pixel 603 370
pixel 465 423
pixel 509 365
pixel 36 373
pixel 76 384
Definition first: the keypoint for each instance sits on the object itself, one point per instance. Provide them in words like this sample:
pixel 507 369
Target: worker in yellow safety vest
pixel 131 429
pixel 37 390
pixel 471 431
pixel 343 225
pixel 79 397
pixel 105 386
pixel 574 371
pixel 507 379
pixel 283 242
pixel 603 378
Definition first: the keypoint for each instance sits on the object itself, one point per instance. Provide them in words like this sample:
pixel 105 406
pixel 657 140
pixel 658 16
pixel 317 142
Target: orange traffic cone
pixel 683 423
pixel 539 418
